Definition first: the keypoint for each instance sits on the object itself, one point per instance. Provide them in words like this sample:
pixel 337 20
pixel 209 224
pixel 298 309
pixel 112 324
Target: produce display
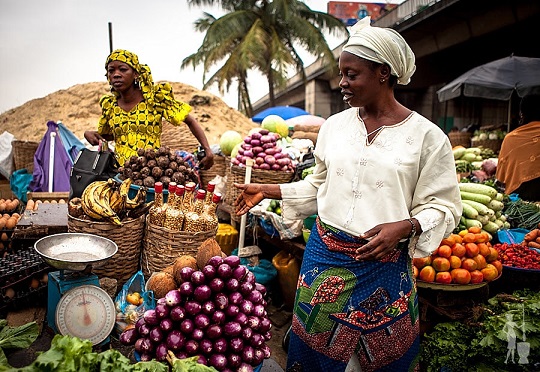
pixel 523 214
pixel 262 147
pixel 106 201
pixel 153 165
pixel 218 313
pixel 482 207
pixel 9 205
pixel 468 159
pixel 525 255
pixel 464 258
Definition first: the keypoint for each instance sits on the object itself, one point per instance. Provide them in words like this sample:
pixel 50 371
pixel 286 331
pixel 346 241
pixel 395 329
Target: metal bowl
pixel 75 251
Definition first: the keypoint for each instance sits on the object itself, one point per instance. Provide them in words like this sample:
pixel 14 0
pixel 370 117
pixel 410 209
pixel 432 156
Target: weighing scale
pixel 76 304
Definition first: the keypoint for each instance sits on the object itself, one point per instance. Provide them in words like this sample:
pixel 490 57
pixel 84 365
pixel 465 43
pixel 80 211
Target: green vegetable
pixel 187 364
pixel 481 208
pixel 522 214
pixel 471 222
pixel 19 337
pixel 469 211
pixel 478 188
pixel 491 227
pixel 480 198
pixel 496 205
pixel 458 152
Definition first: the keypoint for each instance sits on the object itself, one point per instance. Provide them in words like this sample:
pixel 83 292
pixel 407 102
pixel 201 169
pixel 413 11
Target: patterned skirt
pixel 344 307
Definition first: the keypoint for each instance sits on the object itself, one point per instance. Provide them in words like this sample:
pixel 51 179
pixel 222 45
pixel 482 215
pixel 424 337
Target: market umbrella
pixel 496 80
pixel 285 112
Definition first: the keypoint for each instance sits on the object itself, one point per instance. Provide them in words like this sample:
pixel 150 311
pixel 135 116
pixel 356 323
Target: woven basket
pixel 218 169
pixel 178 138
pixel 128 237
pixel 162 246
pixel 495 145
pixel 237 174
pixel 23 154
pixel 460 139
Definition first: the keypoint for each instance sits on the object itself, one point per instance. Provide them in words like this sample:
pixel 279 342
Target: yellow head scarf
pixel 382 45
pixel 160 95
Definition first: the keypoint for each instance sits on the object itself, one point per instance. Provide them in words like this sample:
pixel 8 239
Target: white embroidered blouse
pixel 406 171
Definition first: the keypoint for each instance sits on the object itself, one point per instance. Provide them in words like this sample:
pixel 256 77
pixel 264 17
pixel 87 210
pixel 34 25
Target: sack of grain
pixel 307 128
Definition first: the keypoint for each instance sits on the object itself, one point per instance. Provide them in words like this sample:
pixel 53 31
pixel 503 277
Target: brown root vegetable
pixel 161 282
pixel 179 178
pixel 168 172
pixel 149 181
pixel 145 171
pixel 151 163
pixel 173 165
pixel 140 152
pixel 157 172
pixel 163 161
pixel 138 182
pixel 150 153
pixel 165 180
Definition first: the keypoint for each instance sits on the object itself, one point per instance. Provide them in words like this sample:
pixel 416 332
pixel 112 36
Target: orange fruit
pixel 480 261
pixel 475 230
pixel 420 262
pixel 461 276
pixel 415 271
pixel 469 237
pixel 483 249
pixel 469 264
pixel 459 250
pixel 427 274
pixel 490 273
pixel 471 249
pixel 445 251
pixel 443 277
pixel 449 241
pixel 477 276
pixel 458 238
pixel 483 237
pixel 498 265
pixel 441 264
pixel 455 262
pixel 493 255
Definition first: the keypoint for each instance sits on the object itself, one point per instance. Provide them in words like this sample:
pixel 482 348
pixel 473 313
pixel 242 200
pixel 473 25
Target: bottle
pixel 210 217
pixel 174 217
pixel 156 211
pixel 171 190
pixel 194 221
pixel 187 202
pixel 209 192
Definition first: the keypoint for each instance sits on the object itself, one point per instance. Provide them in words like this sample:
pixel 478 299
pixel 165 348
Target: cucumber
pixel 483 219
pixel 481 208
pixel 496 205
pixel 473 150
pixel 480 198
pixel 499 197
pixel 469 211
pixel 491 227
pixel 458 152
pixel 478 188
pixel 470 222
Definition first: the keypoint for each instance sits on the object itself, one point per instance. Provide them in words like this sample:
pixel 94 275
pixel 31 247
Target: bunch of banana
pixel 96 201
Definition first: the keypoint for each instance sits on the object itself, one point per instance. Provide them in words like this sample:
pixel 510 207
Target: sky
pixel 51 45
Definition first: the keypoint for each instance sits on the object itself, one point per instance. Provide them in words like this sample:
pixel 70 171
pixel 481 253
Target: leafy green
pixel 19 337
pixel 187 364
pixel 483 346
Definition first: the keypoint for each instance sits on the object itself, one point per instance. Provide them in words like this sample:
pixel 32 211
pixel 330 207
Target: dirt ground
pixel 78 109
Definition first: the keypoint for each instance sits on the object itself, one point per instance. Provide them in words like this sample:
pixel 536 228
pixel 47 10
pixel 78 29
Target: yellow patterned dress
pixel 141 127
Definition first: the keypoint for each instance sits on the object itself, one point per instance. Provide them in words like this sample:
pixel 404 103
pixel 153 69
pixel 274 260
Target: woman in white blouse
pixel 384 188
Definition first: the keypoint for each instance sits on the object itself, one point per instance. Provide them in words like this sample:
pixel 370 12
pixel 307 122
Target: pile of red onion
pixel 262 147
pixel 218 314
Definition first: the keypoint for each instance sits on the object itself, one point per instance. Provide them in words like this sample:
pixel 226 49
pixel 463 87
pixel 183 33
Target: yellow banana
pixel 88 203
pixel 139 199
pixel 117 202
pixel 102 196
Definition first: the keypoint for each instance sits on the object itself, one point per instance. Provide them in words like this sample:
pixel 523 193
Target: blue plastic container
pixel 150 192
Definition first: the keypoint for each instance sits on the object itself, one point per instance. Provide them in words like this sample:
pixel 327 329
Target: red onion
pixel 175 340
pixel 177 313
pixel 161 352
pixel 185 273
pixel 173 298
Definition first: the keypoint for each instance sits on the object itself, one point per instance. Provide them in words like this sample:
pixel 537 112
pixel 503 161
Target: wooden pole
pixel 110 38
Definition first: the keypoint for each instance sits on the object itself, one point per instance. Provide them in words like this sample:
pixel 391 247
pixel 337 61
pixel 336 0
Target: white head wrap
pixel 382 45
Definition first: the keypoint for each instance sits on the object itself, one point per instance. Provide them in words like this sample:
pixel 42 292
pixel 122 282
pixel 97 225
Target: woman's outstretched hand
pixel 250 196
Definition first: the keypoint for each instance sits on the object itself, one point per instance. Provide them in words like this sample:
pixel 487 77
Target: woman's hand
pixel 251 195
pixel 93 137
pixel 208 160
pixel 383 240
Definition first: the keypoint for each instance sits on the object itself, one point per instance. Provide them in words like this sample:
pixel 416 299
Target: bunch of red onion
pixel 218 314
pixel 262 147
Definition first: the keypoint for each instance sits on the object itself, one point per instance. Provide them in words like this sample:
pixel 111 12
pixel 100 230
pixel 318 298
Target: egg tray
pixel 18 266
pixel 24 298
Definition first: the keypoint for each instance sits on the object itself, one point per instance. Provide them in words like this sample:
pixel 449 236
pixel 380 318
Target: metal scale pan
pixel 77 306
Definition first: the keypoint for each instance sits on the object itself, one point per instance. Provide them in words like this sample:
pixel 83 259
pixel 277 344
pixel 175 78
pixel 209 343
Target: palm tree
pixel 263 36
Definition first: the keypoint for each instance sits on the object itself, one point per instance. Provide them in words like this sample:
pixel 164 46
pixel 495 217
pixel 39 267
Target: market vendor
pixel 518 164
pixel 132 116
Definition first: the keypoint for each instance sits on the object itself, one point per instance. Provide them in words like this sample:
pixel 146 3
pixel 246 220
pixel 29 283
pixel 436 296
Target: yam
pixel 161 283
pixel 208 249
pixel 180 263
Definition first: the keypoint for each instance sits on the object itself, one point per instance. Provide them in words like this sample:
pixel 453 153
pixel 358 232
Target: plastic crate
pixel 227 238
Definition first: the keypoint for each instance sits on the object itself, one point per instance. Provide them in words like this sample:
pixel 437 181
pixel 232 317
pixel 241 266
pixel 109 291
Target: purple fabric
pixel 62 163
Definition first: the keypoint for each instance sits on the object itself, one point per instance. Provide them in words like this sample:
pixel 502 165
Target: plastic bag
pixel 132 301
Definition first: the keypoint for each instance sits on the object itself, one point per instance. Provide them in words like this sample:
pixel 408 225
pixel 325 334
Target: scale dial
pixel 87 312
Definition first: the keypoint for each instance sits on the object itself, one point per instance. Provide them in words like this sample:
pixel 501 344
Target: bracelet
pixel 413 230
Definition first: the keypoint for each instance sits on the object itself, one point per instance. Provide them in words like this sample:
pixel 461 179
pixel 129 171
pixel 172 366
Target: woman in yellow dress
pixel 132 116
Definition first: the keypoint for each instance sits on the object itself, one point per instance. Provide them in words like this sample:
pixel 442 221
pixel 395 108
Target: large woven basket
pixel 23 154
pixel 460 139
pixel 218 169
pixel 128 237
pixel 237 174
pixel 162 246
pixel 178 137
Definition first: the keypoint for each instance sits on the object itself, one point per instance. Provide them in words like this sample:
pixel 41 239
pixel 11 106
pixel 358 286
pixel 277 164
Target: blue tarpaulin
pixel 285 112
pixel 62 160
